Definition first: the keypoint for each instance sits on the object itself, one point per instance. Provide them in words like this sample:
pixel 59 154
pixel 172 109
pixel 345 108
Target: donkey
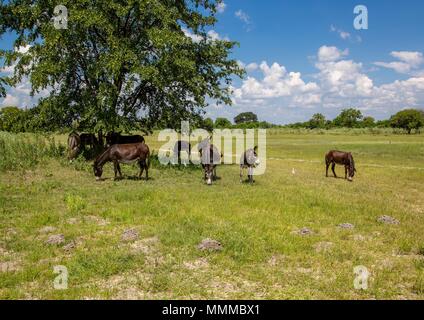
pixel 123 153
pixel 249 159
pixel 210 158
pixel 74 144
pixel 88 139
pixel 334 157
pixel 116 138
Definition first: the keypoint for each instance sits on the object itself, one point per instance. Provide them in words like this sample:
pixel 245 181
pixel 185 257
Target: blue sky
pixel 304 56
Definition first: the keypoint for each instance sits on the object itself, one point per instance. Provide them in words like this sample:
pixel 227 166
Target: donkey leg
pixel 241 174
pixel 147 170
pixel 327 165
pixel 141 165
pixel 115 168
pixel 332 169
pixel 119 170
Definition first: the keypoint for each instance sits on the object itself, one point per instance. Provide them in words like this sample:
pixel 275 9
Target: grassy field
pixel 263 255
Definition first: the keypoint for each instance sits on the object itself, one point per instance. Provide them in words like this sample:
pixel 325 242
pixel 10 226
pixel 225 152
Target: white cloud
pixel 339 83
pixel 409 61
pixel 275 83
pixel 345 35
pixel 331 53
pixel 244 17
pixel 212 35
pixel 220 7
pixel 252 66
pixel 413 58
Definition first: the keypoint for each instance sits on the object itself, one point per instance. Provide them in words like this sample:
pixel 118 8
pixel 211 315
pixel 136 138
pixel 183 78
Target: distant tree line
pixel 408 120
pixel 14 119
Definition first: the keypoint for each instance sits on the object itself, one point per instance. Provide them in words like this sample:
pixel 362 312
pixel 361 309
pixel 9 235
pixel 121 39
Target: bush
pixel 25 151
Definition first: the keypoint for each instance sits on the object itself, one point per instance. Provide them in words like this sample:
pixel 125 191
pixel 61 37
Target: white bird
pixel 293 171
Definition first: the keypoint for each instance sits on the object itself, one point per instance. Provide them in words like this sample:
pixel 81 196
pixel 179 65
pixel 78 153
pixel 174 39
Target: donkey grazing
pixel 249 159
pixel 123 153
pixel 210 158
pixel 342 158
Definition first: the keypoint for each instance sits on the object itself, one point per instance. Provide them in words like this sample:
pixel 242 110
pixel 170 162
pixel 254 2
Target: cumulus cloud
pixel 338 83
pixel 276 82
pixel 331 53
pixel 408 61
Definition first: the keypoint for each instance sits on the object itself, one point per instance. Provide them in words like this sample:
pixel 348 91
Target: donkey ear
pixel 255 148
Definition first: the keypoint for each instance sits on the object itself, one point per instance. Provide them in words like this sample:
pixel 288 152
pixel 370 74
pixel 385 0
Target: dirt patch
pixel 97 220
pixel 56 239
pixel 73 221
pixel 304 232
pixel 146 246
pixel 275 260
pixel 209 245
pixel 388 220
pixel 201 263
pixel 47 229
pixel 323 246
pixel 9 266
pixel 129 235
pixel 70 246
pixel 346 226
pixel 230 287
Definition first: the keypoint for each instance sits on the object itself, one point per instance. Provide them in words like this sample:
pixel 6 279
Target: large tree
pixel 317 121
pixel 128 64
pixel 408 120
pixel 246 117
pixel 348 118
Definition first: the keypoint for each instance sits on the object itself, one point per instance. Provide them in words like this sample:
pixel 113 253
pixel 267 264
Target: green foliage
pixel 128 64
pixel 317 121
pixel 25 151
pixel 207 124
pixel 222 123
pixel 348 118
pixel 368 122
pixel 13 119
pixel 75 203
pixel 245 117
pixel 408 120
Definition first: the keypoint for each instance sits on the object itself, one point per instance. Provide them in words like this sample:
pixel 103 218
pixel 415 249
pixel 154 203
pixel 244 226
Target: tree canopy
pixel 246 117
pixel 222 123
pixel 348 118
pixel 317 121
pixel 127 64
pixel 408 120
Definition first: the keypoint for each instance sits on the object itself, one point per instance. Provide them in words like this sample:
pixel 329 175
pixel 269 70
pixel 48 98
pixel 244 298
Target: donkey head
pixel 98 171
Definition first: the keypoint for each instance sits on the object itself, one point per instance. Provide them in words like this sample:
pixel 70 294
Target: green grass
pixel 262 255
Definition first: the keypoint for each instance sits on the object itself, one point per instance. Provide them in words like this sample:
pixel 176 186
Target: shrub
pixel 25 151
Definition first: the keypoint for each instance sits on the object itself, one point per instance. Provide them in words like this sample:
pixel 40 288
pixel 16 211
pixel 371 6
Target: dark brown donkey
pixel 342 158
pixel 124 153
pixel 116 138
